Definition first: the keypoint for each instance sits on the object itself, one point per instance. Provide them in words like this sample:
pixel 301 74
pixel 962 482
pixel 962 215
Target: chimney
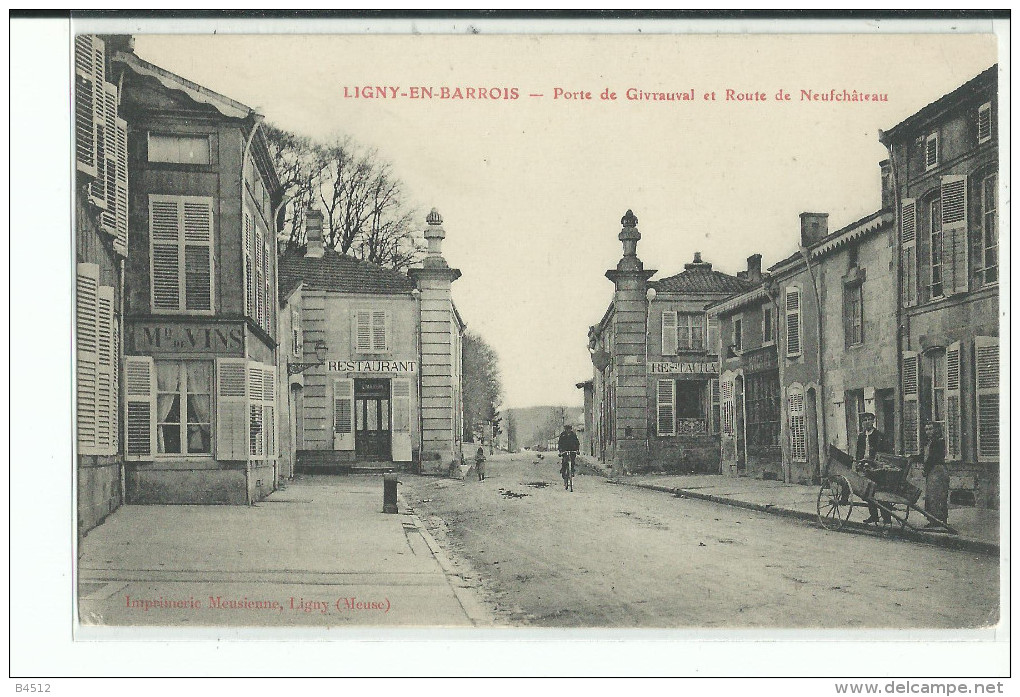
pixel 698 263
pixel 753 268
pixel 813 227
pixel 888 194
pixel 313 234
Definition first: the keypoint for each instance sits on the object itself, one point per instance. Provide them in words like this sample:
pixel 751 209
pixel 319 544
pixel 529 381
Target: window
pixel 990 228
pixel 798 424
pixel 984 122
pixel 931 151
pixel 183 407
pixel 793 316
pixel 853 314
pixel 180 236
pixel 933 391
pixel 682 332
pixel 738 334
pixel 935 247
pixel 371 331
pixel 181 149
pixel 768 324
pixel 762 405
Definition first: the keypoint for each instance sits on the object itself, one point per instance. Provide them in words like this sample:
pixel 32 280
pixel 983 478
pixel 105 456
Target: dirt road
pixel 609 555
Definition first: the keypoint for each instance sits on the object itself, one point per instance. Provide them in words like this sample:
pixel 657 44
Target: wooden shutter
pixel 104 186
pixel 931 151
pixel 343 414
pixel 955 271
pixel 198 238
pixel 363 331
pixel 298 347
pixel 379 333
pixel 400 404
pixel 120 243
pixel 908 252
pixel 140 394
pixel 269 411
pixel 954 449
pixel 267 282
pixel 665 411
pixel 249 268
pixel 793 321
pixel 798 425
pixel 181 238
pixel 231 409
pixel 986 353
pixel 669 341
pixel 911 403
pixel 84 105
pixel 713 335
pixel 715 425
pixel 727 404
pixel 164 237
pixel 256 426
pixel 984 122
pixel 87 356
pixel 106 397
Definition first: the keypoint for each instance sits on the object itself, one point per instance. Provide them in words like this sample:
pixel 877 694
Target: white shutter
pixel 256 432
pixel 715 427
pixel 954 449
pixel 164 240
pixel 665 421
pixel 267 282
pixel 793 321
pixel 298 347
pixel 363 331
pixel 104 187
pixel 986 353
pixel 669 334
pixel 726 386
pixel 955 271
pixel 198 239
pixel 400 403
pixel 798 425
pixel 84 105
pixel 121 190
pixel 931 151
pixel 181 238
pixel 140 405
pixel 249 268
pixel 984 122
pixel 87 356
pixel 231 409
pixel 908 252
pixel 713 336
pixel 343 414
pixel 269 411
pixel 106 396
pixel 379 322
pixel 911 405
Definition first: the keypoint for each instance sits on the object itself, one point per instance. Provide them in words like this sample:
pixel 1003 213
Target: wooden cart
pixel 845 489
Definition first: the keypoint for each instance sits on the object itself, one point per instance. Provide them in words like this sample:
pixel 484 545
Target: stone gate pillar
pixel 436 353
pixel 629 352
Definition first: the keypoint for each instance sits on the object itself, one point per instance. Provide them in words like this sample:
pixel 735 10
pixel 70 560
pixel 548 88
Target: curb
pixel 968 544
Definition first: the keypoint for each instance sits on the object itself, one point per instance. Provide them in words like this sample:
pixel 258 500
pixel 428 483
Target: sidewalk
pixel 319 552
pixel 978 528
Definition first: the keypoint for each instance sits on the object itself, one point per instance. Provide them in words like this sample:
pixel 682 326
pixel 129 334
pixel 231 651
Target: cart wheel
pixel 834 502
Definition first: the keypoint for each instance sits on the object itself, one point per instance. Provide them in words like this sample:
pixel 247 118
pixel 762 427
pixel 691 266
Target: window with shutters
pixel 181 253
pixel 933 389
pixel 798 423
pixel 183 407
pixel 738 334
pixel 665 422
pixel 931 151
pixel 371 331
pixel 984 122
pixel 180 149
pixel 989 229
pixel 986 359
pixel 853 314
pixel 768 324
pixel 935 289
pixel 793 322
pixel 256 414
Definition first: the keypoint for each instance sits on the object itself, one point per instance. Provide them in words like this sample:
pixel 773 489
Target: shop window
pixel 180 149
pixel 762 405
pixel 183 407
pixel 181 253
pixel 989 229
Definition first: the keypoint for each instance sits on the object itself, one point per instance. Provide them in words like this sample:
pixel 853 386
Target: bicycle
pixel 567 469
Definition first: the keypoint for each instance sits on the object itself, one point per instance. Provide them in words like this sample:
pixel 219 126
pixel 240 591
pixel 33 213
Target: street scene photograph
pixel 508 332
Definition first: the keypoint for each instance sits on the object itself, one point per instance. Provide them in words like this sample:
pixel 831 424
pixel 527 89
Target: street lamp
pixel 320 357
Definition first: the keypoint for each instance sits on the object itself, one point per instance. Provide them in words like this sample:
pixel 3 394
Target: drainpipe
pixel 820 398
pixel 773 292
pixel 897 264
pixel 649 297
pixel 421 432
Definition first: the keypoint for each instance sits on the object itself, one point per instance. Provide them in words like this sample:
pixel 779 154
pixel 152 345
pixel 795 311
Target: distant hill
pixel 538 424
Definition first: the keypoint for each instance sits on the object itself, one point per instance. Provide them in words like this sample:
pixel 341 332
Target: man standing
pixel 870 442
pixel 936 475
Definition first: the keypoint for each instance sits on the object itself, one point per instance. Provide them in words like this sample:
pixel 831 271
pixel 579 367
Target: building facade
pixel 945 171
pixel 101 246
pixel 200 332
pixel 372 361
pixel 655 391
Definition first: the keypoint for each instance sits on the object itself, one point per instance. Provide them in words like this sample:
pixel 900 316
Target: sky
pixel 532 189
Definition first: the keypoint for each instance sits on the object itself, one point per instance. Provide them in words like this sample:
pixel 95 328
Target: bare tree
pixel 297 165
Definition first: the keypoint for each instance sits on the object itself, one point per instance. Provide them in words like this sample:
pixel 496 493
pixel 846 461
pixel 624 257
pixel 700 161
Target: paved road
pixel 615 556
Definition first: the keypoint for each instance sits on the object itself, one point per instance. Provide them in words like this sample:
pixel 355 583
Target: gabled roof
pixel 341 274
pixel 700 278
pixel 936 109
pixel 834 240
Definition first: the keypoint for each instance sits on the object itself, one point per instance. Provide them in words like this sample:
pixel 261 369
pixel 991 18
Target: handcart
pixel 884 485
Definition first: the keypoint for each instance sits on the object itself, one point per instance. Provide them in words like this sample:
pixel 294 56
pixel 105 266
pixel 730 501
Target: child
pixel 480 463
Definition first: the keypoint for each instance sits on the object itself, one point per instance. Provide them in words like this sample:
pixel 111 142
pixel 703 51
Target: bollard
pixel 389 493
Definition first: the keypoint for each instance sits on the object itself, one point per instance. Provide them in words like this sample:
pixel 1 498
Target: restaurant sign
pixel 372 366
pixel 669 368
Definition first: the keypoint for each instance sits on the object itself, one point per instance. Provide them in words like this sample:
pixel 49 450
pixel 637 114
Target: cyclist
pixel 568 447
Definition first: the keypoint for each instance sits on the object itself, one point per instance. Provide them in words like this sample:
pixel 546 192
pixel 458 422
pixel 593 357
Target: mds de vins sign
pixel 186 337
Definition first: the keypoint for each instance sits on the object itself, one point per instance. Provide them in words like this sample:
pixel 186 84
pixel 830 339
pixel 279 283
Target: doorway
pixel 372 431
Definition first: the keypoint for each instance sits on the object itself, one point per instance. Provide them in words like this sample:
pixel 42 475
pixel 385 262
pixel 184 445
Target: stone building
pixel 655 393
pixel 749 385
pixel 372 360
pixel 101 246
pixel 200 319
pixel 944 167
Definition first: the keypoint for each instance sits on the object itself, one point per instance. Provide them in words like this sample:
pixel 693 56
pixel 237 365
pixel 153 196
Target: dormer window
pixel 931 151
